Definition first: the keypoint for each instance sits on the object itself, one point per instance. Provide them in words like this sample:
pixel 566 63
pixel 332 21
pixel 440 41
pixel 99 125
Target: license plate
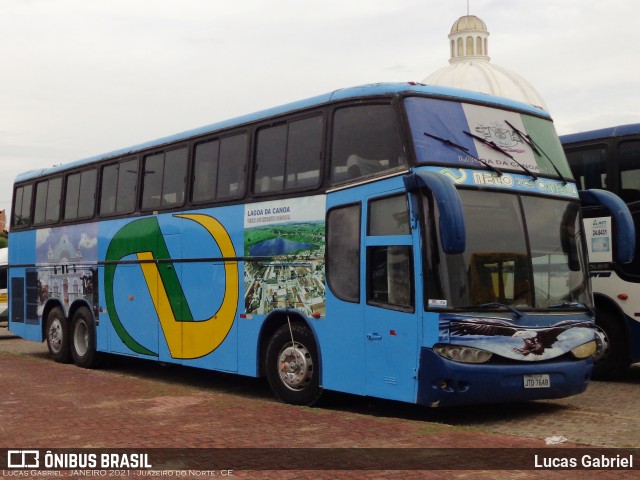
pixel 537 381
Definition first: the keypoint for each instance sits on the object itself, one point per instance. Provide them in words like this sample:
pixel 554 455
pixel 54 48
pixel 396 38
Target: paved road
pixel 144 405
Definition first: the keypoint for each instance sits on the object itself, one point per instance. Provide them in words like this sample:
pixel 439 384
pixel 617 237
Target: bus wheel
pixel 293 367
pixel 611 358
pixel 83 339
pixel 57 334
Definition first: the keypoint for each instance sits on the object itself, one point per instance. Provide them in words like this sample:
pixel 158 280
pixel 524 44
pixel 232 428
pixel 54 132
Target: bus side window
pixel 219 168
pixel 389 267
pixel 233 166
pixel 165 179
pixel 590 167
pixel 628 160
pixel 22 207
pixel 289 156
pixel 119 187
pixel 343 252
pixel 48 195
pixel 365 142
pixel 80 195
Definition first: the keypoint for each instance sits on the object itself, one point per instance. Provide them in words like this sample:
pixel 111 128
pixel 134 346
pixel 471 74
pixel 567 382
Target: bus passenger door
pixel 391 326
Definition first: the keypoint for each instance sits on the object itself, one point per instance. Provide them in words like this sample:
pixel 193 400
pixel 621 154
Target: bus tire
pixel 611 359
pixel 83 339
pixel 294 375
pixel 57 336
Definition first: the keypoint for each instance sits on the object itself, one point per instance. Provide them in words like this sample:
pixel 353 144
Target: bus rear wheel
pixel 611 358
pixel 293 367
pixel 83 339
pixel 57 336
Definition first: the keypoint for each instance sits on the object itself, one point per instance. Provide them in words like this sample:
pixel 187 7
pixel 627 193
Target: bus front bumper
pixel 443 382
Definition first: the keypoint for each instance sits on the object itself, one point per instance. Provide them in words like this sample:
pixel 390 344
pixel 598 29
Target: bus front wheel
pixel 57 335
pixel 83 339
pixel 292 367
pixel 611 357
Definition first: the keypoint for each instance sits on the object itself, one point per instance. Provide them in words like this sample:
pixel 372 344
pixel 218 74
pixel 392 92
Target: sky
pixel 79 78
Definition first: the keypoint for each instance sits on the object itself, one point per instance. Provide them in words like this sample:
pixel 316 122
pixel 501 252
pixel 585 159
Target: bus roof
pixel 378 89
pixel 602 133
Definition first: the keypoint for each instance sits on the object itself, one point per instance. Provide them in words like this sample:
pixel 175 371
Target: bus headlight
pixel 585 350
pixel 461 354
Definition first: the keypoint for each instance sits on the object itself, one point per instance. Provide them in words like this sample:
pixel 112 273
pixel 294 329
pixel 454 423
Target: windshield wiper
pixel 466 151
pixel 517 313
pixel 496 147
pixel 574 305
pixel 536 148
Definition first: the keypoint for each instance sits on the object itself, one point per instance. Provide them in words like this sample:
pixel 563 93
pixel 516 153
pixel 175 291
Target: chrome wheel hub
pixel 55 335
pixel 295 366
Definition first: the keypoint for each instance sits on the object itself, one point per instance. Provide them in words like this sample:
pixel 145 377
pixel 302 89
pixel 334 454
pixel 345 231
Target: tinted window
pixel 289 156
pixel 127 186
pixel 80 195
pixel 48 195
pixel 304 153
pixel 119 187
pixel 629 164
pixel 589 167
pixel 389 216
pixel 343 252
pixel 219 169
pixel 233 161
pixel 165 179
pixel 365 142
pixel 390 275
pixel 109 189
pixel 22 207
pixel 205 171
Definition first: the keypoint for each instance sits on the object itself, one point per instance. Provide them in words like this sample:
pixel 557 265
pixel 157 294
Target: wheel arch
pixel 608 304
pixel 273 322
pixel 76 305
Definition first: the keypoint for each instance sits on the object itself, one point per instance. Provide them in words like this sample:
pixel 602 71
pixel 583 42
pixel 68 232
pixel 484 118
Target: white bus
pixel 609 159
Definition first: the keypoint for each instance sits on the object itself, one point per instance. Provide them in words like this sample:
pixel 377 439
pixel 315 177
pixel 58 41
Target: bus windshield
pixel 512 257
pixel 466 135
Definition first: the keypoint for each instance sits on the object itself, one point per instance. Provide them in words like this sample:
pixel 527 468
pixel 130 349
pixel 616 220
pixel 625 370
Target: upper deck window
pixel 219 169
pixel 22 207
pixel 81 195
pixel 366 142
pixel 48 194
pixel 165 179
pixel 119 187
pixel 289 156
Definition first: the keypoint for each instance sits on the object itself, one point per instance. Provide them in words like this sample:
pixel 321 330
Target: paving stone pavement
pixel 137 404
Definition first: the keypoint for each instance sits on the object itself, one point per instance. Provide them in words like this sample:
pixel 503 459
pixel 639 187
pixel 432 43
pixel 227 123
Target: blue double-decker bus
pixel 401 241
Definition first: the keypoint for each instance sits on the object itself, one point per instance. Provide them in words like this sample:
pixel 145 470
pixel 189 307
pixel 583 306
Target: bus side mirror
pixel 625 232
pixel 452 228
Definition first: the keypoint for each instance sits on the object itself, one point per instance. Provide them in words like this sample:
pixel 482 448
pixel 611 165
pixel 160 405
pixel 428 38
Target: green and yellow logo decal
pixel 186 337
